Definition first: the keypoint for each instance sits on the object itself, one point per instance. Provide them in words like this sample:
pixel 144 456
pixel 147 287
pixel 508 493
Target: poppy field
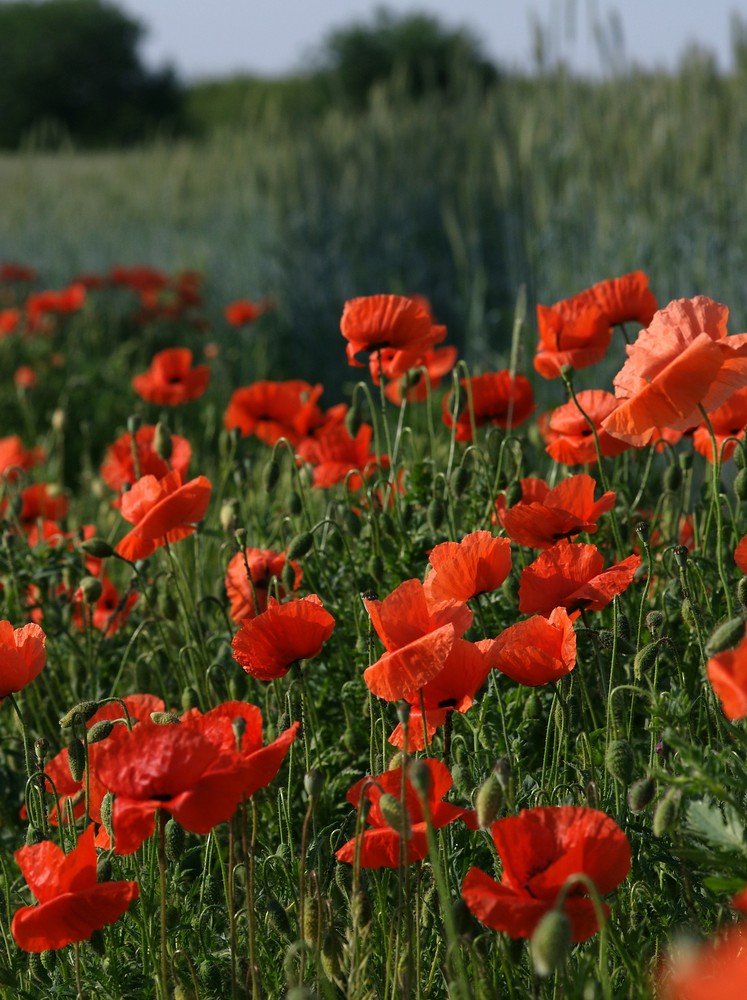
pixel 431 692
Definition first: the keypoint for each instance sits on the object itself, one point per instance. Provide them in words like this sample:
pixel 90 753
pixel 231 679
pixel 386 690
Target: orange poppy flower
pixel 728 421
pixel 72 904
pixel 566 510
pixel 249 599
pixel 242 312
pixel 623 299
pixel 22 655
pixel 462 570
pixel 334 455
pixel 268 645
pixel 569 437
pixel 571 332
pixel 379 321
pixel 727 673
pixel 161 510
pixel 118 467
pixel 718 968
pixel 13 456
pixel 171 380
pixel 684 359
pixel 538 650
pixel 573 576
pixel 453 689
pixel 380 843
pixel 539 849
pixel 272 410
pixel 496 399
pixel 417 638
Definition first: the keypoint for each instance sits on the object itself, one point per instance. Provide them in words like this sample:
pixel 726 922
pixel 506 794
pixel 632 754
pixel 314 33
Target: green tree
pixel 416 50
pixel 75 64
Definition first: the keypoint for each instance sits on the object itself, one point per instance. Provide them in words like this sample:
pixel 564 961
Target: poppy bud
pixel 100 730
pixel 103 869
pixel 212 890
pixel 680 556
pixel 641 794
pixel 97 547
pixel 311 921
pixel 237 685
pixel 739 457
pixel 190 699
pixel 240 538
pixel 227 516
pixel 134 423
pixel 551 942
pixel 49 960
pixel 41 747
pixel 645 658
pixel 592 795
pixel 740 485
pixel 332 952
pixel 654 621
pixel 76 758
pixel 459 776
pixel 107 804
pixel 34 835
pixel 300 545
pixel 624 630
pixel 510 589
pixel 295 503
pixel 162 443
pixel 81 712
pixel 691 614
pixel 278 918
pixel 176 839
pixel 91 589
pixel 271 475
pixel 532 706
pixel 394 814
pixel 462 919
pixel 168 606
pixel 284 722
pixel 165 718
pixel 403 712
pixel 488 801
pixel 361 910
pixel 620 761
pixel 239 728
pixel 672 478
pixel 353 418
pixel 742 592
pixel 726 636
pixel 460 480
pixel 420 777
pixel 313 782
pixel 665 814
pixel 436 513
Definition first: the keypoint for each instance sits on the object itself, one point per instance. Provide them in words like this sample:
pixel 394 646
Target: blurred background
pixel 312 153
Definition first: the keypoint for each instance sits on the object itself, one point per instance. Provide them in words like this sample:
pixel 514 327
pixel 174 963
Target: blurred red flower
pixel 380 842
pixel 562 512
pixel 380 321
pixel 269 644
pixel 478 564
pixel 13 456
pixel 539 850
pixel 108 613
pixel 272 410
pixel 417 639
pixel 569 437
pixel 118 467
pixel 9 320
pixel 171 380
pixel 682 361
pixel 72 904
pixel 263 564
pixel 16 272
pixel 161 510
pixel 25 377
pixel 727 672
pixel 573 576
pixel 244 311
pixel 728 421
pixel 623 299
pixel 538 650
pixel 22 656
pixel 718 968
pixel 496 399
pixel 68 300
pixel 404 371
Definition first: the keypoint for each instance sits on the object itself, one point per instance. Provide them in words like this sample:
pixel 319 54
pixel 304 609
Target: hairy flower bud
pixel 620 761
pixel 551 942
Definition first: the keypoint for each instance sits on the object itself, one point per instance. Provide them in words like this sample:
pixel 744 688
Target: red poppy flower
pixel 22 656
pixel 624 299
pixel 268 645
pixel 272 410
pixel 562 512
pixel 14 456
pixel 243 311
pixel 453 689
pixel 684 359
pixel 171 380
pixel 334 455
pixel 109 612
pixel 67 300
pixel 540 849
pixel 175 768
pixel 573 576
pixel 118 467
pixel 718 968
pixel 375 321
pixel 72 904
pixel 569 437
pixel 417 638
pixel 162 510
pixel 572 332
pixel 740 554
pixel 462 570
pixel 380 843
pixel 728 421
pixel 404 371
pixel 137 277
pixel 727 673
pixel 41 501
pixel 538 650
pixel 9 320
pixel 496 399
pixel 259 763
pixel 24 377
pixel 264 564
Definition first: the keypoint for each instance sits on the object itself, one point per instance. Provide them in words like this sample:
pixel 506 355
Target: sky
pixel 205 39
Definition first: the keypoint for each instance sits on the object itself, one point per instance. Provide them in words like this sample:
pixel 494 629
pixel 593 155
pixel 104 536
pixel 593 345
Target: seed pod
pixel 97 547
pixel 100 730
pixel 300 545
pixel 488 801
pixel 726 636
pixel 620 761
pixel 654 621
pixel 76 758
pixel 665 813
pixel 176 840
pixel 641 794
pixel 551 942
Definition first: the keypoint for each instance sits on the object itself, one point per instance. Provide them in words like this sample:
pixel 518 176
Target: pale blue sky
pixel 207 38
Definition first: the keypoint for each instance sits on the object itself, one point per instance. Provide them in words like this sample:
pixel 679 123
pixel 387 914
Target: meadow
pixel 419 678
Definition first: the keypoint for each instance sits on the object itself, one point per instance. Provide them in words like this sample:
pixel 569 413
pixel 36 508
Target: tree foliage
pixel 74 64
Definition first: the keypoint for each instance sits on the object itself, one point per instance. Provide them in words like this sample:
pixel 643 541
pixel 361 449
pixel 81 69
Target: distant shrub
pixel 71 67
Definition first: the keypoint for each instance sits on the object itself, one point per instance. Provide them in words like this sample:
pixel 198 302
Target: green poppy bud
pixel 665 814
pixel 300 545
pixel 436 513
pixel 97 547
pixel 271 475
pixel 488 801
pixel 394 814
pixel 162 443
pixel 726 636
pixel 551 942
pixel 620 761
pixel 76 758
pixel 176 839
pixel 100 730
pixel 641 794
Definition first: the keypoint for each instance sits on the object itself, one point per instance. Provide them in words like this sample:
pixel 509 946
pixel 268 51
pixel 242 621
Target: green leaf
pixel 720 827
pixel 717 883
